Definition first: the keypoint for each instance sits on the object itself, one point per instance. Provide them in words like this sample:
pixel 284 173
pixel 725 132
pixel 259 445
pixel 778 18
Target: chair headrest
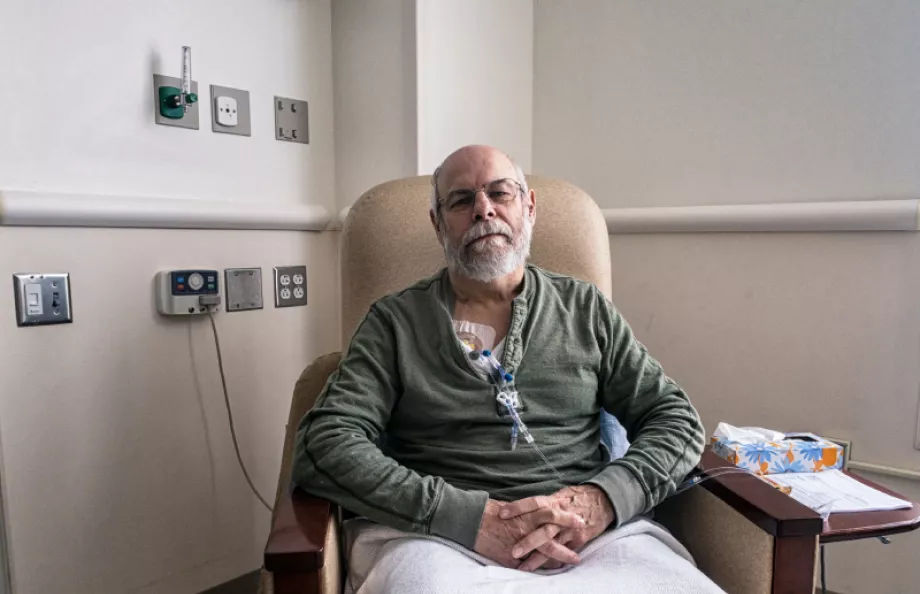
pixel 388 242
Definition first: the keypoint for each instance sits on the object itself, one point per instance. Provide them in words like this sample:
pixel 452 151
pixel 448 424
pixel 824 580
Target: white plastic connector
pixel 226 111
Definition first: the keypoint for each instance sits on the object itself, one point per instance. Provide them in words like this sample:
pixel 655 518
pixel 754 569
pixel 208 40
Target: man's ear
pixel 434 223
pixel 531 204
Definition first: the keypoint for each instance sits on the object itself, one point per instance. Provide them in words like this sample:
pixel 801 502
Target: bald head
pixel 471 166
pixel 487 223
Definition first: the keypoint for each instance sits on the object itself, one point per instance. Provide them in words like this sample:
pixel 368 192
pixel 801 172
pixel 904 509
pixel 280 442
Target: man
pixel 463 423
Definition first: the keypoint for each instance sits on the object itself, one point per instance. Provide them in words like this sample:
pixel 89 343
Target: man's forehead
pixel 475 167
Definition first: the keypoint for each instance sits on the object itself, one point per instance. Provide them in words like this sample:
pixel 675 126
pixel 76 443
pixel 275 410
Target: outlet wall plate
pixel 290 286
pixel 243 288
pixel 189 120
pixel 292 122
pixel 243 125
pixel 42 298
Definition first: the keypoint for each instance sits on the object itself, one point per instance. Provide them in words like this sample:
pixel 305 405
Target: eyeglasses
pixel 500 191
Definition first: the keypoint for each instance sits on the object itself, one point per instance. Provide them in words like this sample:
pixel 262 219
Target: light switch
pixel 34 299
pixel 42 298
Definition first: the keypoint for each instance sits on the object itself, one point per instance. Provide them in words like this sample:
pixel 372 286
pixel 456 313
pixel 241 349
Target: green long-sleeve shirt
pixel 405 377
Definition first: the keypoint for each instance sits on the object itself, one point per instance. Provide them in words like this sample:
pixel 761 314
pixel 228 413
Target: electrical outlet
pixel 230 111
pixel 292 122
pixel 290 286
pixel 227 111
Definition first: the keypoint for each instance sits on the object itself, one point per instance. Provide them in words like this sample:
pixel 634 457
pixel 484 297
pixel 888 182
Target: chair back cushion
pixel 388 242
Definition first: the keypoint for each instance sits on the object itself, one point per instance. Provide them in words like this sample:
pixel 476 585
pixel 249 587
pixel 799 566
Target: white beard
pixel 491 258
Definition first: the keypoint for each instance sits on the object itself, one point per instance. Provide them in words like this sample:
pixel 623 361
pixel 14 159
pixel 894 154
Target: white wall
pixel 667 103
pixel 78 98
pixel 797 332
pixel 118 471
pixel 717 102
pixel 373 51
pixel 475 78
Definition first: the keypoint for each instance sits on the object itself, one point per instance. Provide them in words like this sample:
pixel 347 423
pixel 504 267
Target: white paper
pixel 832 491
pixel 747 434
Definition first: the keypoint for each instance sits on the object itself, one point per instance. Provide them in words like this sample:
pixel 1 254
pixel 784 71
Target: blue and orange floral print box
pixel 797 452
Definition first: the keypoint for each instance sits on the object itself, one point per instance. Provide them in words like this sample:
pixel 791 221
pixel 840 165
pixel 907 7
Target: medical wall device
pixel 187 292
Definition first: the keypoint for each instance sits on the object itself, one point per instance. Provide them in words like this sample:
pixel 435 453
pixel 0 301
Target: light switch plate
pixel 292 122
pixel 221 99
pixel 243 288
pixel 290 286
pixel 42 298
pixel 190 119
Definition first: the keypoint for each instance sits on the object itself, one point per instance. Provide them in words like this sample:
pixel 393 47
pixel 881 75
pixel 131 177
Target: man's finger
pixel 554 550
pixel 554 515
pixel 523 506
pixel 534 562
pixel 538 560
pixel 575 542
pixel 537 538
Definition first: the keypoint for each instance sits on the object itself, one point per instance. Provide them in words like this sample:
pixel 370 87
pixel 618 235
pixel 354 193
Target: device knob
pixel 195 281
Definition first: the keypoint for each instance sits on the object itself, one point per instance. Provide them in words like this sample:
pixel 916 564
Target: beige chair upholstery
pixel 306 390
pixel 733 551
pixel 388 243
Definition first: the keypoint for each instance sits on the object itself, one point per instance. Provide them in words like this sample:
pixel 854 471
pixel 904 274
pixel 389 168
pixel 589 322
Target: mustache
pixel 487 228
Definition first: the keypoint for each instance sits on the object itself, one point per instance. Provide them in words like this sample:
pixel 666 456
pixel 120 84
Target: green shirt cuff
pixel 624 491
pixel 458 515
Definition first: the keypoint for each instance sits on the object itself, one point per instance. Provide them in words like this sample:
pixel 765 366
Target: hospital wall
pixel 374 65
pixel 118 472
pixel 648 104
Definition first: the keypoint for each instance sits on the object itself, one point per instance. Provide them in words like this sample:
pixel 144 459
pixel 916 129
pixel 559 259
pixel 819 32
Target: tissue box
pixel 798 452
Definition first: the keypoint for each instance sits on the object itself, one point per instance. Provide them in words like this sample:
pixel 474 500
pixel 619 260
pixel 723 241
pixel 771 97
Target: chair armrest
pixel 770 509
pixel 743 533
pixel 298 535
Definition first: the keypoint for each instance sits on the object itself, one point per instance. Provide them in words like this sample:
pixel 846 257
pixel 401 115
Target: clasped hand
pixel 544 530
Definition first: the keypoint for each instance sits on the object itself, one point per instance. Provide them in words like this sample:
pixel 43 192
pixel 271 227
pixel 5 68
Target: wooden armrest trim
pixel 298 533
pixel 769 508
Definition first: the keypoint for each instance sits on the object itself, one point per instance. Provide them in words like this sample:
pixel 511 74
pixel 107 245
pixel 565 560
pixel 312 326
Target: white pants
pixel 639 557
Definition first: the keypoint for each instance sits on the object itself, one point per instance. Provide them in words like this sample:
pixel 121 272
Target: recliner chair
pixel 742 538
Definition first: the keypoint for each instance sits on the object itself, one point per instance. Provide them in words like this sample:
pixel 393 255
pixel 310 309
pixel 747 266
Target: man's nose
pixel 483 209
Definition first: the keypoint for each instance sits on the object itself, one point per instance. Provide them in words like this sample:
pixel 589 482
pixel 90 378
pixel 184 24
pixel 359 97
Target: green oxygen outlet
pixel 171 105
pixel 175 102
